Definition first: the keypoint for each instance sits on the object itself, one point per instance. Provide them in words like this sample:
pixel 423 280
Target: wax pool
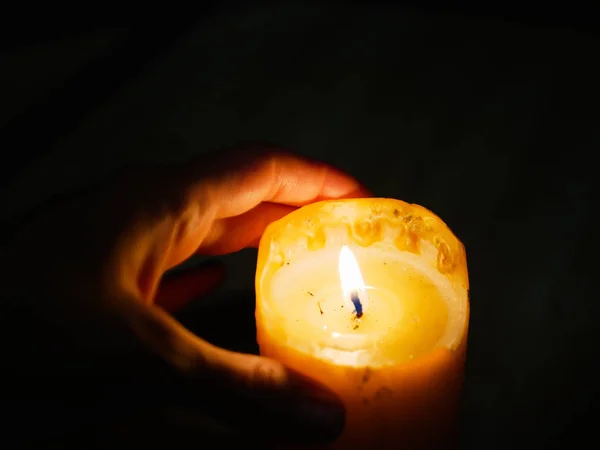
pixel 398 367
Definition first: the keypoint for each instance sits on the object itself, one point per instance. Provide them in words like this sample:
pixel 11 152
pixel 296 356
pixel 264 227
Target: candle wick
pixel 358 309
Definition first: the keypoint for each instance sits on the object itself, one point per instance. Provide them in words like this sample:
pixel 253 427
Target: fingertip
pixel 339 184
pixel 360 192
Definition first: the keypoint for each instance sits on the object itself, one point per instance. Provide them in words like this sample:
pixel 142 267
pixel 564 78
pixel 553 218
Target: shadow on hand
pixel 98 409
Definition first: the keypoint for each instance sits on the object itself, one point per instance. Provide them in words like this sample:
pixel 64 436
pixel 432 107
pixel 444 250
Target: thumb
pixel 257 394
pixel 251 393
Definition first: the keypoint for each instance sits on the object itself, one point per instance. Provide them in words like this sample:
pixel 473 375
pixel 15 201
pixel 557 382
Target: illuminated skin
pixel 107 250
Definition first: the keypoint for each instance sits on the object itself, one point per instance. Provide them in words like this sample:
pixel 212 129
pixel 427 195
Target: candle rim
pixel 457 248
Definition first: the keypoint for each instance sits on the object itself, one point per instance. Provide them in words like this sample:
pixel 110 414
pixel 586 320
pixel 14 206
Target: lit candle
pixel 370 297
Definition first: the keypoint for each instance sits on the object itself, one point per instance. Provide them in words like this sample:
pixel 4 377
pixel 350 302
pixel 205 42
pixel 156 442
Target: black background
pixel 489 118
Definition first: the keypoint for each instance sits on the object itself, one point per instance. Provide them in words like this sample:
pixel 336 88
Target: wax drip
pixel 358 309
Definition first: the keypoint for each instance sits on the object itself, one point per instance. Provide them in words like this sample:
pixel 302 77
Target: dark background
pixel 485 114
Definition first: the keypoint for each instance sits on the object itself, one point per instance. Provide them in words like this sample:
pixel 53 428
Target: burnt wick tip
pixel 358 309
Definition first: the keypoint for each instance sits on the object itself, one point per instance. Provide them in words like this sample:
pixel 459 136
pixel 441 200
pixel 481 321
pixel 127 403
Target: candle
pixel 370 297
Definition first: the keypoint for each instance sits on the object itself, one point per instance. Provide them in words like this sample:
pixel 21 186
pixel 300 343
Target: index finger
pixel 236 181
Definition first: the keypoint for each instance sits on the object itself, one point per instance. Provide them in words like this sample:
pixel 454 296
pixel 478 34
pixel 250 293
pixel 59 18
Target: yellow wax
pixel 399 367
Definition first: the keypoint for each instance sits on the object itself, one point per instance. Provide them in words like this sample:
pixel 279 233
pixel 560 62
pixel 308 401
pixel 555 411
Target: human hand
pixel 100 299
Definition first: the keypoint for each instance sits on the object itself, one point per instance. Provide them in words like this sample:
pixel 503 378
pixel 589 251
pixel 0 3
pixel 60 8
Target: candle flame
pixel 351 279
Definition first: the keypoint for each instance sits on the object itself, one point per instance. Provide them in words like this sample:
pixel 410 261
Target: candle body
pixel 409 406
pixel 399 369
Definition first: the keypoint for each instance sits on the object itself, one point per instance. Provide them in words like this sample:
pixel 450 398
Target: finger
pixel 243 391
pixel 176 290
pixel 240 179
pixel 235 233
pixel 234 182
